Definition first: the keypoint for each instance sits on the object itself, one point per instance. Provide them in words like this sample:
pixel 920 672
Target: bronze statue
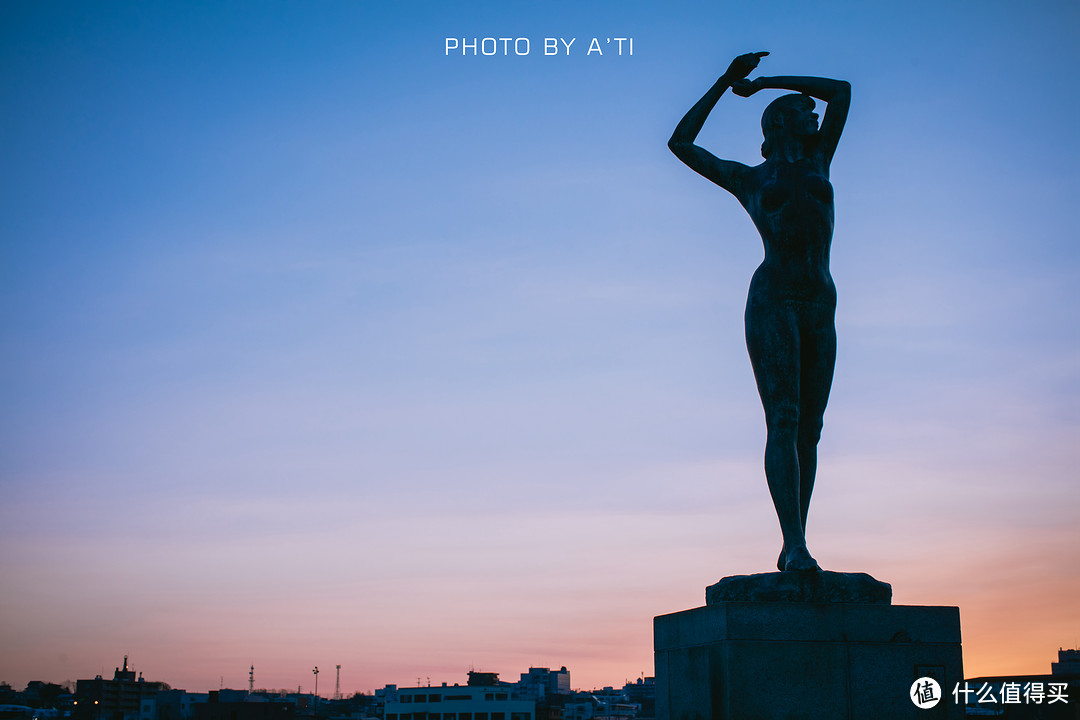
pixel 790 328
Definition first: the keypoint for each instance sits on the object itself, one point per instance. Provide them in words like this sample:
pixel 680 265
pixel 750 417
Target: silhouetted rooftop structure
pixel 483 679
pixel 121 698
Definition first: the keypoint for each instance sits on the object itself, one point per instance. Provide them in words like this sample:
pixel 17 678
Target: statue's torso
pixel 791 204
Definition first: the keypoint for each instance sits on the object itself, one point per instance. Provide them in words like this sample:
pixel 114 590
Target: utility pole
pixel 316 671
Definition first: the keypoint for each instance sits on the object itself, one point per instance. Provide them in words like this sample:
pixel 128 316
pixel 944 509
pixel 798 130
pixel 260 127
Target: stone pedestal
pixel 805 661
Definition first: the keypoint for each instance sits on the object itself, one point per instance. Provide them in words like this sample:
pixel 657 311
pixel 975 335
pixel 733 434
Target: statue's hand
pixel 745 88
pixel 743 65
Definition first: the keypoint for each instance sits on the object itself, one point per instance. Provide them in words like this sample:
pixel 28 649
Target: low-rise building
pixel 1025 697
pixel 125 697
pixel 540 683
pixel 249 708
pixel 484 698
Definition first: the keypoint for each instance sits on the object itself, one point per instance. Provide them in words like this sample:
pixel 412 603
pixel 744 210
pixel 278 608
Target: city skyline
pixel 324 344
pixel 128 672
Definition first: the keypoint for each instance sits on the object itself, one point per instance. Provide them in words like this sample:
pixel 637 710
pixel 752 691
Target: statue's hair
pixel 771 127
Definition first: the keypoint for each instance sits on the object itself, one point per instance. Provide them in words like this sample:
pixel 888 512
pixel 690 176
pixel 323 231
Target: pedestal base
pixel 813 586
pixel 805 661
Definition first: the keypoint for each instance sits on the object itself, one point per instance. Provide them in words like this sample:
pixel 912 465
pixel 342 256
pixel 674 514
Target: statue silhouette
pixel 790 328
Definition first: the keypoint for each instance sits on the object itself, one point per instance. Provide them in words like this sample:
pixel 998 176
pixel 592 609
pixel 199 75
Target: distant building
pixel 238 705
pixel 484 698
pixel 1026 697
pixel 642 692
pixel 39 701
pixel 540 683
pixel 1068 663
pixel 606 704
pixel 386 694
pixel 483 679
pixel 177 704
pixel 358 706
pixel 125 697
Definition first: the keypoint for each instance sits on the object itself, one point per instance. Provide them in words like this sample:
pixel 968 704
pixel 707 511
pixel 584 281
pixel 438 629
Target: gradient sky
pixel 320 347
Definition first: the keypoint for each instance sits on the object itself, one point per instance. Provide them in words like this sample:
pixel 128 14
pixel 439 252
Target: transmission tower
pixel 337 684
pixel 251 680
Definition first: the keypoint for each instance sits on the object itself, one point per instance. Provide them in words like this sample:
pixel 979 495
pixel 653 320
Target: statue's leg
pixel 772 339
pixel 816 362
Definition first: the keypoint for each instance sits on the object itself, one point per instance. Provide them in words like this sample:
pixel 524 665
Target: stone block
pixel 805 661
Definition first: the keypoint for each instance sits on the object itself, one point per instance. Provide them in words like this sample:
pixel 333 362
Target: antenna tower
pixel 251 680
pixel 337 684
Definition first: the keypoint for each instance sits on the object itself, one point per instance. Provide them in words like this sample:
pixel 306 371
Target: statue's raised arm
pixel 725 173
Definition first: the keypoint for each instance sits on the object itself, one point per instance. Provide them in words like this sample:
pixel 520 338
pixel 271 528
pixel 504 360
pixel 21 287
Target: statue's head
pixel 787 117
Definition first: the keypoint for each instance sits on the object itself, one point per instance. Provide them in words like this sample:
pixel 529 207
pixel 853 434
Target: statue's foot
pixel 797 558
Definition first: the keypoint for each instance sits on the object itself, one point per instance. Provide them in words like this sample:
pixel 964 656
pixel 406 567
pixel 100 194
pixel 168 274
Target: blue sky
pixel 321 346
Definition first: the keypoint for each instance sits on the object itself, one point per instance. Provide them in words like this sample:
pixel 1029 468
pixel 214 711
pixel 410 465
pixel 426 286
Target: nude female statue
pixel 790 329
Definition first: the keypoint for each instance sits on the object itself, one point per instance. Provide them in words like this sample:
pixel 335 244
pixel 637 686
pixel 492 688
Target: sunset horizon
pixel 328 341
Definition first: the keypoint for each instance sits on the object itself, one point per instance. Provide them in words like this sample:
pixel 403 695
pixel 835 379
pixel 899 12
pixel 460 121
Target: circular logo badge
pixel 925 693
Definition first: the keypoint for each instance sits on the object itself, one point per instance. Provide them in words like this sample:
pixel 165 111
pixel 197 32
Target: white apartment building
pixel 459 702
